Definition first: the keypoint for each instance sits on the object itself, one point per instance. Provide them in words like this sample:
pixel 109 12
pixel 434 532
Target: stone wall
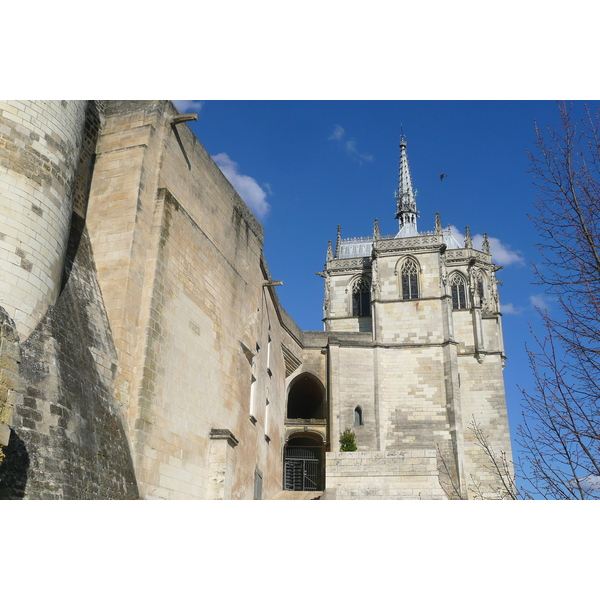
pixel 40 145
pixel 198 336
pixel 68 439
pixel 383 475
pixel 10 381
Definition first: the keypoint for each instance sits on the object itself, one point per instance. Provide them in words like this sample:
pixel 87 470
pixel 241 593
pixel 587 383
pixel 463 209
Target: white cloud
pixel 501 253
pixel 353 151
pixel 188 106
pixel 338 133
pixel 510 309
pixel 540 301
pixel 247 187
pixel 350 145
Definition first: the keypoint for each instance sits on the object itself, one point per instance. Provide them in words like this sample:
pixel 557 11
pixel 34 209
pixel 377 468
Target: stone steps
pixel 289 495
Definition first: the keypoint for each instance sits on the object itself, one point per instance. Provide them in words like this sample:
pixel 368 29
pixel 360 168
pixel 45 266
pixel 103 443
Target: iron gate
pixel 301 469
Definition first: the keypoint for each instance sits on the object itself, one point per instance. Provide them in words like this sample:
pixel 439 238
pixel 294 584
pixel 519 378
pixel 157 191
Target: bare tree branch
pixel 560 432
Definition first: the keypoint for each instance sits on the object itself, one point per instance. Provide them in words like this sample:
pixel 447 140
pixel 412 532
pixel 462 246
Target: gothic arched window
pixel 459 291
pixel 358 416
pixel 409 278
pixel 361 298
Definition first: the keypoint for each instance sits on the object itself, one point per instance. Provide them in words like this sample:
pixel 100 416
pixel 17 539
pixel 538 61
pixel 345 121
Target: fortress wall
pixel 120 220
pixel 40 144
pixel 179 263
pixel 68 438
pixel 197 376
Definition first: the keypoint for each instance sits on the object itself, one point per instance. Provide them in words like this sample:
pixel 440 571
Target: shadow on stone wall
pixel 68 417
pixel 14 468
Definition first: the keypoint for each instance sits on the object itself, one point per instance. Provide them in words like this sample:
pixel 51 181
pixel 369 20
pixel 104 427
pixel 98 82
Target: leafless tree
pixel 560 433
pixel 504 486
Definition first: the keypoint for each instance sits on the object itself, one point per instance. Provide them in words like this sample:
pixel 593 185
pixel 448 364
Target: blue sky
pixel 306 166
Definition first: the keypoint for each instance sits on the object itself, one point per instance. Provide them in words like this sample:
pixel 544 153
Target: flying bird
pixel 442 175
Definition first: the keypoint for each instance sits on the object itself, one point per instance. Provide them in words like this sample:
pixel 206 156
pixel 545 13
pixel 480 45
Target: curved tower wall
pixel 40 145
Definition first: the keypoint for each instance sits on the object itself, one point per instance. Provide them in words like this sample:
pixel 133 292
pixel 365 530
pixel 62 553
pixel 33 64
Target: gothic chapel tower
pixel 414 356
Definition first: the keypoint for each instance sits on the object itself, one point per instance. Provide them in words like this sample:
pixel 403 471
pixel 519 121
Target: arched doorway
pixel 304 467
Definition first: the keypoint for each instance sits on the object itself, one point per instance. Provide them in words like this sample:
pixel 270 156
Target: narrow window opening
pixel 361 298
pixel 267 437
pixel 358 416
pixel 479 289
pixel 258 480
pixel 269 372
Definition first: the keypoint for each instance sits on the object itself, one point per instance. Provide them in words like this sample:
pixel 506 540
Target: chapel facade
pixel 415 357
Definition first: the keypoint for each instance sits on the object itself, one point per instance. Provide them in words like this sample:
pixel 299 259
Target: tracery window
pixel 459 291
pixel 361 298
pixel 410 280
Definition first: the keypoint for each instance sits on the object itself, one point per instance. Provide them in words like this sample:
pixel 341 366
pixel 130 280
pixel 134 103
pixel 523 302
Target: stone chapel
pixel 144 352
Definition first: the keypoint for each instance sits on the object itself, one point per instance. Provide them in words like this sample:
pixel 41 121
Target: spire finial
pixel 405 197
pixel 438 223
pixel 338 241
pixel 468 240
pixel 329 251
pixel 376 232
pixel 485 246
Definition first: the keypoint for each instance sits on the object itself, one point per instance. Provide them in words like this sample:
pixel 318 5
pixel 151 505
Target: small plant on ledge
pixel 348 441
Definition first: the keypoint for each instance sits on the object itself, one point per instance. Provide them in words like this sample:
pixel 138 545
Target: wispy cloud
pixel 349 145
pixel 511 309
pixel 247 187
pixel 188 106
pixel 338 133
pixel 502 254
pixel 540 301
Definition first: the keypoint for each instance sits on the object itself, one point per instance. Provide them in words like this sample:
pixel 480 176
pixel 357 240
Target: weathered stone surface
pixel 69 438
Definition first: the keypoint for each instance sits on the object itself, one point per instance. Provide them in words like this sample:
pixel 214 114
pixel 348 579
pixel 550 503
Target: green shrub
pixel 348 441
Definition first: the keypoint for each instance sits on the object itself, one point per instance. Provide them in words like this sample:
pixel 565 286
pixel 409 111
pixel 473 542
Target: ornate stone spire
pixel 486 244
pixel 438 224
pixel 338 241
pixel 468 240
pixel 376 232
pixel 406 205
pixel 329 251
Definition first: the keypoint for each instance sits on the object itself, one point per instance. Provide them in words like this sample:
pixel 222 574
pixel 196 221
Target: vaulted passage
pixel 306 398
